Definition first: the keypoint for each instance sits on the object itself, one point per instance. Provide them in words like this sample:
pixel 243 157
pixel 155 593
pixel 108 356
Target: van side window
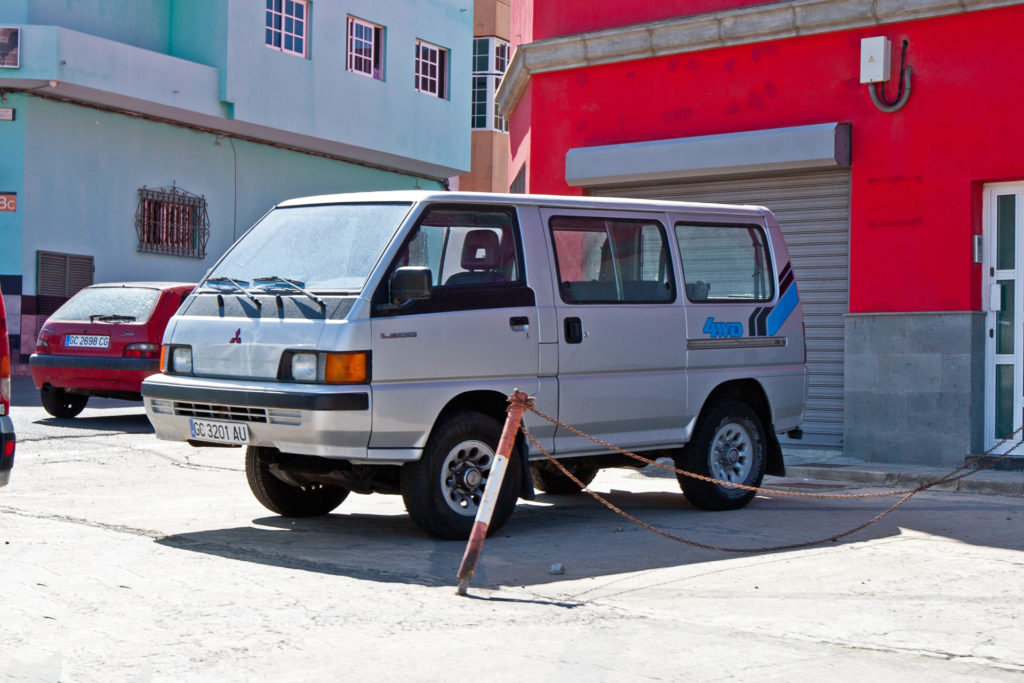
pixel 474 258
pixel 725 262
pixel 612 260
pixel 465 247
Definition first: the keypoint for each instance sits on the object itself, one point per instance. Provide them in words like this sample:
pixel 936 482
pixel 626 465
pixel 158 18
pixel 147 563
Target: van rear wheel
pixel 275 494
pixel 442 490
pixel 549 479
pixel 62 403
pixel 728 445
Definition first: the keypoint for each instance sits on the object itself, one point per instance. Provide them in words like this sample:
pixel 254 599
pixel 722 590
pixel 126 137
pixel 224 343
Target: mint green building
pixel 138 140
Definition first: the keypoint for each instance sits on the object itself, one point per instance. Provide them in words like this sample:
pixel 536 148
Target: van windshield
pixel 330 247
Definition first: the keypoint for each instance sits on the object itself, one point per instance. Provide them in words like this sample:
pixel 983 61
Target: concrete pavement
pixel 800 463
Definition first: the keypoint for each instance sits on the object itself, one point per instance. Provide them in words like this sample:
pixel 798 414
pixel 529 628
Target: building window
pixel 479 102
pixel 518 185
pixel 431 69
pixel 490 60
pixel 172 221
pixel 365 48
pixel 287 21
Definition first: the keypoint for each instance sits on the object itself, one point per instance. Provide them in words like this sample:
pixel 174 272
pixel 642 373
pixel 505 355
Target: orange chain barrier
pixel 959 473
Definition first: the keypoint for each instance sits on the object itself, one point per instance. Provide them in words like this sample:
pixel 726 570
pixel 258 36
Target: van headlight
pixel 322 367
pixel 176 360
pixel 304 367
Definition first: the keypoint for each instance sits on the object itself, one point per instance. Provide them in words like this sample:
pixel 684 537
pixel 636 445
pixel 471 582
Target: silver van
pixel 367 343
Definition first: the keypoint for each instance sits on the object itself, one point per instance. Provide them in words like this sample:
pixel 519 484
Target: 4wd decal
pixel 765 321
pixel 718 330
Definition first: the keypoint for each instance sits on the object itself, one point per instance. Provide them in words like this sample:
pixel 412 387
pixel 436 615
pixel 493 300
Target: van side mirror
pixel 410 283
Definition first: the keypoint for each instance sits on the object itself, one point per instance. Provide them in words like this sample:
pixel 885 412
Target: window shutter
pixel 62 275
pixel 50 273
pixel 80 269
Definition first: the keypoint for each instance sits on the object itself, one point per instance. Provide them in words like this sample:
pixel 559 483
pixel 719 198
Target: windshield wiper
pixel 110 317
pixel 238 287
pixel 297 286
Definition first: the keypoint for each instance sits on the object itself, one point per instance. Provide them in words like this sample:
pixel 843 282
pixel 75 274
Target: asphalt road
pixel 124 558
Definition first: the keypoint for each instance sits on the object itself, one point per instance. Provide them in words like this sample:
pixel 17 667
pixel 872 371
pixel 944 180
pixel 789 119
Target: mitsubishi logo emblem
pixel 237 339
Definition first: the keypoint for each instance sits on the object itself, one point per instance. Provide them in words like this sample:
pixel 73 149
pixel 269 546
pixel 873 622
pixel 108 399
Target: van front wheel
pixel 442 490
pixel 728 445
pixel 283 498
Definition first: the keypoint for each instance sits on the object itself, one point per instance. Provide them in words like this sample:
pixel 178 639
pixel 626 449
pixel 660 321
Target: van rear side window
pixel 725 263
pixel 612 260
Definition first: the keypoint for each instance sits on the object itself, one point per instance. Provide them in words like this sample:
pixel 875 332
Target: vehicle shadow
pixel 588 540
pixel 129 424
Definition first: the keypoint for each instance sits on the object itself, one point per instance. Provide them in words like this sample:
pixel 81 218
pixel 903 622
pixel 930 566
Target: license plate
pixel 219 432
pixel 89 341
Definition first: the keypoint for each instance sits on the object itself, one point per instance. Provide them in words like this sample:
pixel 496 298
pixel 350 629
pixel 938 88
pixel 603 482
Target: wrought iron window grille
pixel 172 221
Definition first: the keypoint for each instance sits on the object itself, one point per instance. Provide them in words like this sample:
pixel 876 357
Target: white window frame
pixel 497 62
pixel 429 56
pixel 355 58
pixel 283 23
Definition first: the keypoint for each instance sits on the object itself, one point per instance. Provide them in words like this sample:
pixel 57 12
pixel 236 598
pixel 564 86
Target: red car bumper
pixel 92 373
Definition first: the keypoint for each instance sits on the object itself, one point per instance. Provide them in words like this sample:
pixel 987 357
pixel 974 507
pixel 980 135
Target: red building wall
pixel 916 173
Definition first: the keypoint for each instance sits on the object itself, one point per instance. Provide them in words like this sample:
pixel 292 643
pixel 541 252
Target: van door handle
pixel 519 323
pixel 573 330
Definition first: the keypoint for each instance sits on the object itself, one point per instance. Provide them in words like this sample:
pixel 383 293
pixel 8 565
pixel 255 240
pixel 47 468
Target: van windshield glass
pixel 330 247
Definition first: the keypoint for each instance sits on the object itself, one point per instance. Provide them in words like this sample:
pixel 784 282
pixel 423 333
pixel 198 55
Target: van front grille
pixel 210 411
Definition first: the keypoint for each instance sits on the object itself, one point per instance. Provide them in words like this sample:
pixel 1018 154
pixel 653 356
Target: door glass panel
pixel 1004 401
pixel 1006 209
pixel 1004 318
pixel 475 246
pixel 604 260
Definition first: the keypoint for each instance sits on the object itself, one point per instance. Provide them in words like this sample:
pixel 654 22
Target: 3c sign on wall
pixel 8 201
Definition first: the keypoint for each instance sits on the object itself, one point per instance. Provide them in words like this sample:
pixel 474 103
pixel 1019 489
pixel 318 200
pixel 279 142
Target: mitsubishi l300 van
pixel 368 343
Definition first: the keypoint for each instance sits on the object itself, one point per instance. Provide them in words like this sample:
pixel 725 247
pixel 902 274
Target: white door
pixel 1003 292
pixel 476 331
pixel 622 331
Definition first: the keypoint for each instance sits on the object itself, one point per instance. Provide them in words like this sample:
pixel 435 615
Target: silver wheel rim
pixel 732 453
pixel 464 476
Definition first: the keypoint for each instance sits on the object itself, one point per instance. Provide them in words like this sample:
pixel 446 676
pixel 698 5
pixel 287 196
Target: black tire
pixel 61 403
pixel 549 479
pixel 442 489
pixel 728 445
pixel 281 497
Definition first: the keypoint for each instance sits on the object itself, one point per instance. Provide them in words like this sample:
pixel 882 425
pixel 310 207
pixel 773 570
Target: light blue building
pixel 139 139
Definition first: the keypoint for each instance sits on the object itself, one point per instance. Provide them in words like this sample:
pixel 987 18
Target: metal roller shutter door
pixel 814 213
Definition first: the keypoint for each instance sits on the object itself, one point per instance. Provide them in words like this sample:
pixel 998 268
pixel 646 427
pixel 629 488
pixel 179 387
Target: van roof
pixel 414 196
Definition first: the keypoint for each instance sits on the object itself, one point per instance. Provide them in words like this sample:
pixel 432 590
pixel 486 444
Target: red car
pixel 103 342
pixel 6 426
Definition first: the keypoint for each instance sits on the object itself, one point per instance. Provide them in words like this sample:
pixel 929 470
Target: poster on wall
pixel 9 54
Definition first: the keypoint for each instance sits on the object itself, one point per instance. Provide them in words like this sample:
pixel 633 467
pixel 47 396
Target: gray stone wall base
pixel 914 387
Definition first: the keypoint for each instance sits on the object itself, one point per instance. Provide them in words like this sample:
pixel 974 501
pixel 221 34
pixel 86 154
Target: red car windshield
pixel 109 304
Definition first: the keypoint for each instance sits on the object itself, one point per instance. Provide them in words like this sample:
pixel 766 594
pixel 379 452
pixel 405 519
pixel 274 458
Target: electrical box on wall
pixel 875 60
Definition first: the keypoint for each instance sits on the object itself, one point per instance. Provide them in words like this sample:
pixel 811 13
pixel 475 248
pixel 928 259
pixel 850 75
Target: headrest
pixel 480 250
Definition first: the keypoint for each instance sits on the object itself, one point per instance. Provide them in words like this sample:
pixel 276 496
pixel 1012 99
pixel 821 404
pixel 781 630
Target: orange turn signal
pixel 346 368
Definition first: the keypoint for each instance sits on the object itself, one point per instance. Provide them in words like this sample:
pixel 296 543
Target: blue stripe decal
pixel 786 304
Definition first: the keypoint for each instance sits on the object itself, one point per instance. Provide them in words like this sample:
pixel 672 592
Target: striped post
pixel 495 477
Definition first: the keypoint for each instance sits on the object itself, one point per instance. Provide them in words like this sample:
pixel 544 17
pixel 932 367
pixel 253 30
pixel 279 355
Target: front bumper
pixel 91 373
pixel 7 441
pixel 325 421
